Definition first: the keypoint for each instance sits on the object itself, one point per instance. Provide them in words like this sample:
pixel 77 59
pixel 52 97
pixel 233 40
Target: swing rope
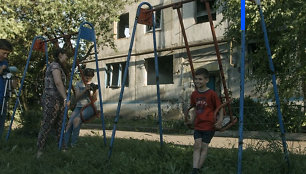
pixel 233 119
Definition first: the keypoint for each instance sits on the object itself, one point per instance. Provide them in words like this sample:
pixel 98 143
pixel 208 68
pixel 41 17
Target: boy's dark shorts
pixel 205 135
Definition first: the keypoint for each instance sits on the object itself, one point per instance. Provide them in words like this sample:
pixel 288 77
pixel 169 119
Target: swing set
pixel 146 16
pixel 39 43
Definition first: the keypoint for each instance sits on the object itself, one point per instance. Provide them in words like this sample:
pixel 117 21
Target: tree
pixel 286 26
pixel 22 20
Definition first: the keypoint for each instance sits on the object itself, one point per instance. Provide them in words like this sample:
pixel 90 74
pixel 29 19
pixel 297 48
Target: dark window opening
pixel 114 75
pixel 201 13
pixel 252 48
pixel 165 69
pixel 123 26
pixel 158 20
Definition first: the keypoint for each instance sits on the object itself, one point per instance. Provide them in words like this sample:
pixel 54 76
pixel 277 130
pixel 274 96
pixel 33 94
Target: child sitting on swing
pixel 205 101
pixel 84 110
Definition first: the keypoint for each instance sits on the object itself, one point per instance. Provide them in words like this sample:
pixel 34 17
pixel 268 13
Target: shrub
pixel 256 115
pixel 260 116
pixel 30 121
pixel 293 116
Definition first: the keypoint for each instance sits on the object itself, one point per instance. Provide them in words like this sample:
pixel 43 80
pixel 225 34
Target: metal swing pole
pixel 242 75
pixel 87 34
pixel 23 77
pixel 271 66
pixel 125 76
pixel 177 7
pixel 212 28
pixel 160 120
pixel 99 88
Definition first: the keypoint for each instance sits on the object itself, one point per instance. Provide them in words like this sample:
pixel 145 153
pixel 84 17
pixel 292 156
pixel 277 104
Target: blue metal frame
pixel 271 66
pixel 242 75
pixel 23 77
pixel 241 105
pixel 86 34
pixel 125 76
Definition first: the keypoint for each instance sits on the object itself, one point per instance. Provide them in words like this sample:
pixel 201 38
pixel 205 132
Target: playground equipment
pixel 38 44
pixel 143 17
pixel 230 120
pixel 89 35
pixel 271 66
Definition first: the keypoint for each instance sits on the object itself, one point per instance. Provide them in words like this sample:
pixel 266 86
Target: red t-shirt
pixel 205 104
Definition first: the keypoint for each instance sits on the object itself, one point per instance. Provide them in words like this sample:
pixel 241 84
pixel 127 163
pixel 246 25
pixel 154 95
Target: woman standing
pixel 53 99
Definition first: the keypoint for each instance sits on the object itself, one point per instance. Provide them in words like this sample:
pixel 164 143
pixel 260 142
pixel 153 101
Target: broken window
pixel 123 26
pixel 114 75
pixel 158 21
pixel 165 69
pixel 201 13
pixel 252 64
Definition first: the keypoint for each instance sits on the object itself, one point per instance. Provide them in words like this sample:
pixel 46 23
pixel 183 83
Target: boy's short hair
pixel 202 71
pixel 89 72
pixel 6 45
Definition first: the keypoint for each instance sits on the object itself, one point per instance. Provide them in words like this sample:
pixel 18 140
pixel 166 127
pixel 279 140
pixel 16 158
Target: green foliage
pixel 148 124
pixel 22 20
pixel 293 115
pixel 286 27
pixel 261 116
pixel 30 121
pixel 256 117
pixel 136 156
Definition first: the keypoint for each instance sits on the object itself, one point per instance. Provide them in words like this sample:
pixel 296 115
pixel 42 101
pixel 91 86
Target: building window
pixel 114 75
pixel 123 26
pixel 201 13
pixel 158 21
pixel 165 69
pixel 252 49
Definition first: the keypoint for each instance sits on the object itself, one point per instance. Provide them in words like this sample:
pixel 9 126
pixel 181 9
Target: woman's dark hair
pixel 89 72
pixel 58 51
pixel 5 45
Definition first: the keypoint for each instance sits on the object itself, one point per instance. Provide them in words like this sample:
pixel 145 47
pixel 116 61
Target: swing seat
pixel 39 45
pixel 192 115
pixel 228 121
pixel 145 17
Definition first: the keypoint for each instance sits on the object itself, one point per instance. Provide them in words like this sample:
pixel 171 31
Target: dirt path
pixel 218 142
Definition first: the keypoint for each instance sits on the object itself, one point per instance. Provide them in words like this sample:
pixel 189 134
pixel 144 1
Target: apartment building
pixel 176 85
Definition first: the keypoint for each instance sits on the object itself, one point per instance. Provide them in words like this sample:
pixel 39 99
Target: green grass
pixel 130 156
pixel 147 124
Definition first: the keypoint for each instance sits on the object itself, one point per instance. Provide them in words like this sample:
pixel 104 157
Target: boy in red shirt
pixel 205 101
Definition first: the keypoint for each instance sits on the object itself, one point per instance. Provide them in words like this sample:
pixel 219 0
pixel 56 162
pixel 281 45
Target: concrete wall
pixel 139 98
